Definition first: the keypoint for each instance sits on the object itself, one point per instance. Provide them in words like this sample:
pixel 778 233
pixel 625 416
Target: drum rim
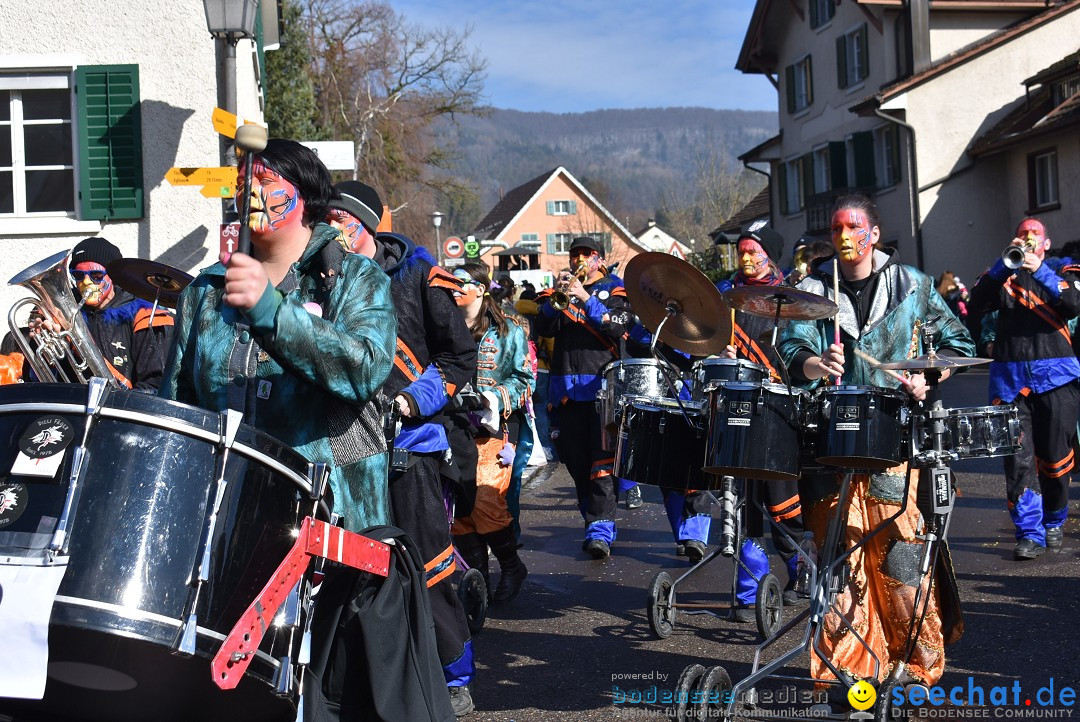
pixel 744 385
pixel 860 388
pixel 992 410
pixel 692 407
pixel 702 363
pixel 630 362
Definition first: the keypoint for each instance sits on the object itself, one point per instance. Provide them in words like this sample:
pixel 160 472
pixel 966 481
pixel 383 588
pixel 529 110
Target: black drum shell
pixel 134 542
pixel 657 445
pixel 754 431
pixel 711 370
pixel 863 428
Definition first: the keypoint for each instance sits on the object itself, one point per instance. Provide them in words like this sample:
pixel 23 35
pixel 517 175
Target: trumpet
pixel 1013 256
pixel 560 300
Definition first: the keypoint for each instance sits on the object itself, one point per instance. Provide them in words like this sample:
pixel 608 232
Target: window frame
pixel 887 158
pixel 852 52
pixel 800 70
pixel 1037 204
pixel 816 7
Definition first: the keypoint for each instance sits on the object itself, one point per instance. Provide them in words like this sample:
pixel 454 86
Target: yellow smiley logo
pixel 862 695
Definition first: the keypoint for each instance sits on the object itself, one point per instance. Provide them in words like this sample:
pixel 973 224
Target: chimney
pixel 918 35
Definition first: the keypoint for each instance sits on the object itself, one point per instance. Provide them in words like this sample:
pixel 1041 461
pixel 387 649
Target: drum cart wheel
pixel 883 707
pixel 688 682
pixel 769 606
pixel 661 606
pixel 713 687
pixel 473 592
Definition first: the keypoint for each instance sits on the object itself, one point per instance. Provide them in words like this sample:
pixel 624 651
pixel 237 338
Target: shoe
pixel 744 615
pixel 1054 536
pixel 1027 549
pixel 793 598
pixel 461 701
pixel 633 497
pixel 680 550
pixel 509 583
pixel 695 550
pixel 597 548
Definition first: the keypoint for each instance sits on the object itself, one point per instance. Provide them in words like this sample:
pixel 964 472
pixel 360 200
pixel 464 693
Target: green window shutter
pixel 809 81
pixel 550 241
pixel 864 54
pixel 807 177
pixel 837 165
pixel 110 142
pixel 789 83
pixel 551 208
pixel 815 18
pixel 863 147
pixel 841 61
pixel 573 208
pixel 782 178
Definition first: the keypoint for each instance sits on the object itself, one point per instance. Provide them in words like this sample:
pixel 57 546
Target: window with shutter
pixel 838 164
pixel 110 142
pixel 551 243
pixel 551 208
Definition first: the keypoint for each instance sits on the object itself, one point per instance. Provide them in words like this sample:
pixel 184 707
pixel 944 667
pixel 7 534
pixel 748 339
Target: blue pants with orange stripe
pixel 581 450
pixel 1047 431
pixel 782 502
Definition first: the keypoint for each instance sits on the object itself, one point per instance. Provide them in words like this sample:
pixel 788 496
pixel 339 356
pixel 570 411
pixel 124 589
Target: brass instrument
pixel 67 356
pixel 1013 256
pixel 560 300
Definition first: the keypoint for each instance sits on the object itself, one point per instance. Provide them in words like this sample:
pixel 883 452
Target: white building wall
pixel 1062 224
pixel 178 89
pixel 951 31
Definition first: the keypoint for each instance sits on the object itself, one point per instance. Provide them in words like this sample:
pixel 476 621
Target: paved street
pixel 580 627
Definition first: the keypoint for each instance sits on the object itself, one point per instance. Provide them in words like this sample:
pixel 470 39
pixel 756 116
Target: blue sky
pixel 568 56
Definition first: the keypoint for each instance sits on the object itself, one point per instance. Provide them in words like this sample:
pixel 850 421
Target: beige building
pixel 889 98
pixel 654 238
pixel 99 104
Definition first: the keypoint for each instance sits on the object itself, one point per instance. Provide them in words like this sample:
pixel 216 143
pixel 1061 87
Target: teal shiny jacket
pixel 305 366
pixel 503 367
pixel 903 295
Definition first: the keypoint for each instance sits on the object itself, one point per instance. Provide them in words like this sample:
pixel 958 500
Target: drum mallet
pixel 251 139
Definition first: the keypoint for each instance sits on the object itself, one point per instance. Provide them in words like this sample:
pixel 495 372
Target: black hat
pixel 587 242
pixel 361 201
pixel 96 250
pixel 770 241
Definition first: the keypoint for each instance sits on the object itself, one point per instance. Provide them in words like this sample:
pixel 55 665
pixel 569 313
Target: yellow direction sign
pixel 218 191
pixel 225 175
pixel 226 122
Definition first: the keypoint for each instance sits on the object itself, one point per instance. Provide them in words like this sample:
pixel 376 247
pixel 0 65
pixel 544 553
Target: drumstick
pixel 732 326
pixel 877 364
pixel 836 299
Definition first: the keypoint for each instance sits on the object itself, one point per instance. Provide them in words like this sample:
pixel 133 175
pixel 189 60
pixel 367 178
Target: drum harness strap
pixel 317 539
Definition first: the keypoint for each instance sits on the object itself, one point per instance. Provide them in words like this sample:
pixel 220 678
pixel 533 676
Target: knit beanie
pixel 360 201
pixel 97 250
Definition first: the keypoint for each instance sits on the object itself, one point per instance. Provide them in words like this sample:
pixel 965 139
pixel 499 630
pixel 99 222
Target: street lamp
pixel 229 21
pixel 436 220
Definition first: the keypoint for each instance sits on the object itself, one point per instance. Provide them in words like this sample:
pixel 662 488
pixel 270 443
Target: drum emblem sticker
pixel 739 413
pixel 12 502
pixel 45 437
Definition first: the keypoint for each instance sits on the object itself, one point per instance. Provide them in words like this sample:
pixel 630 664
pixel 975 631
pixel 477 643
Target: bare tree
pixel 382 82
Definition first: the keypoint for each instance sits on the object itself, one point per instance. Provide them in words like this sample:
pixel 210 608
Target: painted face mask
pixel 351 233
pixel 92 282
pixel 470 292
pixel 851 234
pixel 753 261
pixel 275 201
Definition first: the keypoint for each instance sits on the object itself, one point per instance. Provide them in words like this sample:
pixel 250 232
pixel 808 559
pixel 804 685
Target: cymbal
pixel 149 280
pixel 923 363
pixel 794 304
pixel 659 285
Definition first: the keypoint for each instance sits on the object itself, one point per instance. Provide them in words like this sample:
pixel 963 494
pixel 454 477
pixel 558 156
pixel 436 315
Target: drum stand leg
pixel 185 641
pixel 61 540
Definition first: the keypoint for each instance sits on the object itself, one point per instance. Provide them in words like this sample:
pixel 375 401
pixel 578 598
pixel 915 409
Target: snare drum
pixel 711 370
pixel 863 428
pixel 753 431
pixel 150 473
pixel 979 431
pixel 660 446
pixel 626 380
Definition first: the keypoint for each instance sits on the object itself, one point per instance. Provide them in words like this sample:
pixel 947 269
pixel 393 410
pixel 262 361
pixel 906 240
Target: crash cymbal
pixel 149 280
pixel 794 304
pixel 660 285
pixel 923 363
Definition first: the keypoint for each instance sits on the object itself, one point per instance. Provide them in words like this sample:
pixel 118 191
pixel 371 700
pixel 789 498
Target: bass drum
pixel 134 544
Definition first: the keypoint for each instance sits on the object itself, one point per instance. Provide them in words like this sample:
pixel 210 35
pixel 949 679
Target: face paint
pixel 591 259
pixel 351 233
pixel 1033 235
pixel 275 202
pixel 470 292
pixel 851 234
pixel 753 261
pixel 95 293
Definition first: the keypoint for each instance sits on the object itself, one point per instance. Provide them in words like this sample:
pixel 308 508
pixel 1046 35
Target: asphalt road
pixel 579 627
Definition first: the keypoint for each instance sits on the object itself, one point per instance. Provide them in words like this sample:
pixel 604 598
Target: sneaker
pixel 509 584
pixel 1055 535
pixel 744 615
pixel 680 550
pixel 461 701
pixel 633 497
pixel 597 548
pixel 793 598
pixel 695 550
pixel 1027 549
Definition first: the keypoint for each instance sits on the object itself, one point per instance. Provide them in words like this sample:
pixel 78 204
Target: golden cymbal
pixel 149 280
pixel 661 286
pixel 937 361
pixel 794 304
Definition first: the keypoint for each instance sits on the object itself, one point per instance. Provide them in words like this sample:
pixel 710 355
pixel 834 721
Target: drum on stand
pixel 754 430
pixel 626 380
pixel 975 432
pixel 711 370
pixel 660 445
pixel 149 478
pixel 863 428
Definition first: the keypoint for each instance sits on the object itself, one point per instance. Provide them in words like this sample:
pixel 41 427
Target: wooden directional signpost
pixel 216 182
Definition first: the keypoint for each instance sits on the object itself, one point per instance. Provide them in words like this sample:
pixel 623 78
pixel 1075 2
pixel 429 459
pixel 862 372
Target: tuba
pixel 69 356
pixel 560 300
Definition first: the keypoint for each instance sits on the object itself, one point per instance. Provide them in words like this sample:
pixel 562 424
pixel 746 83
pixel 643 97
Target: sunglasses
pixel 95 276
